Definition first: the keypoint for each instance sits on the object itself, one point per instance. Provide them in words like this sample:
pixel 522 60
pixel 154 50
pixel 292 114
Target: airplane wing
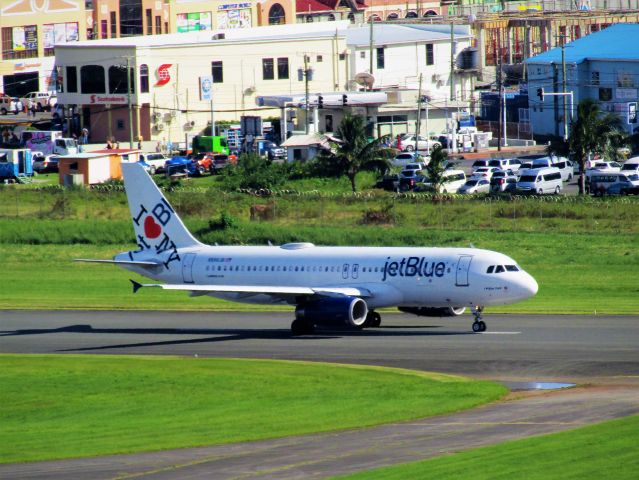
pixel 259 289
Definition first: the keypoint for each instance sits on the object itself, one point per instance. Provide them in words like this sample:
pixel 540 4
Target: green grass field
pixel 606 450
pixel 74 405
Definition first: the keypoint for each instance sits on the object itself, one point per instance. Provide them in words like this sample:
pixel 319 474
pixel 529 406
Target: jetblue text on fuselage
pixel 413 267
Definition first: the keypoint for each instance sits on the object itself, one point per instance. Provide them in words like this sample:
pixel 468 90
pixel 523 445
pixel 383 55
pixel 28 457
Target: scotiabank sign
pixel 98 99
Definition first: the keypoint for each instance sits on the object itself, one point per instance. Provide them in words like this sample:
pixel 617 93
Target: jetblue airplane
pixel 328 286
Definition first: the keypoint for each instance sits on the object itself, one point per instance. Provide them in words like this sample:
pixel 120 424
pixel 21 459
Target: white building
pixel 242 64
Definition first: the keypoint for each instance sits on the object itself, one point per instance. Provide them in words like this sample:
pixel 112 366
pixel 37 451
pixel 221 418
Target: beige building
pixel 31 29
pixel 167 72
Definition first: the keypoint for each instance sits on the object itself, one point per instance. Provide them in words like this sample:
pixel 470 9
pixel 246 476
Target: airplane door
pixel 355 270
pixel 463 265
pixel 187 267
pixel 345 271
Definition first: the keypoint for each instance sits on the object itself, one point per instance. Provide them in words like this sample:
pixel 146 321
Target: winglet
pixel 136 285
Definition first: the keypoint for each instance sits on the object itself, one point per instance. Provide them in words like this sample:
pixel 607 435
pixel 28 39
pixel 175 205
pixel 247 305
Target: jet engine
pixel 434 311
pixel 335 312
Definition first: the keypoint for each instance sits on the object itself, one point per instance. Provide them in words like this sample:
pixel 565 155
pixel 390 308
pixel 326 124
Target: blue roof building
pixel 603 66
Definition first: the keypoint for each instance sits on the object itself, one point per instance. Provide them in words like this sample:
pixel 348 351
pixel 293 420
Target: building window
pixel 144 78
pixel 331 17
pixel 267 69
pixel 319 59
pixel 149 21
pixel 351 17
pixel 131 18
pixel 282 68
pixel 72 79
pixel 158 24
pixel 605 94
pixel 117 79
pixel 380 58
pixel 217 72
pixel 114 26
pixel 19 42
pixel 594 76
pixel 342 56
pixel 362 54
pixel 328 123
pixel 309 19
pixel 92 79
pixel 276 15
pixel 430 54
pixel 104 28
pixel 119 124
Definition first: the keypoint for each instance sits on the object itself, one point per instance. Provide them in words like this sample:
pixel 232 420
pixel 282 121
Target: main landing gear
pixel 302 327
pixel 478 324
pixel 373 319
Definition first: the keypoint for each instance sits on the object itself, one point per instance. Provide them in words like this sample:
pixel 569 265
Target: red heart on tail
pixel 151 228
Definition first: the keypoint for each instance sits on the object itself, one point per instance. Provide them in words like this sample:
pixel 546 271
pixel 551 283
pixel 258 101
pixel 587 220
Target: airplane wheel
pixel 300 327
pixel 374 319
pixel 482 325
pixel 477 327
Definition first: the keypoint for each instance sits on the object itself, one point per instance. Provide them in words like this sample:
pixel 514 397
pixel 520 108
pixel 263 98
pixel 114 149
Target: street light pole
pixel 306 115
pixel 128 95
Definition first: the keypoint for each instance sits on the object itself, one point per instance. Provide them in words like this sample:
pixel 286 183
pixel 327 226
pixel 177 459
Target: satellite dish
pixel 365 79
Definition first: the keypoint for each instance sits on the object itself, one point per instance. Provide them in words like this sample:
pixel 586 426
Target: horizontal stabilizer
pixel 120 262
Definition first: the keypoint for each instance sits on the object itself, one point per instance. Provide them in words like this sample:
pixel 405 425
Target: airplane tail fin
pixel 156 224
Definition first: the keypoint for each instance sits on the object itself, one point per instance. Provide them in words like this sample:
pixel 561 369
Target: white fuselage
pixel 394 276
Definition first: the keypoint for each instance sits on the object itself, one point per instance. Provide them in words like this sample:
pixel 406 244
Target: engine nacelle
pixel 338 311
pixel 434 311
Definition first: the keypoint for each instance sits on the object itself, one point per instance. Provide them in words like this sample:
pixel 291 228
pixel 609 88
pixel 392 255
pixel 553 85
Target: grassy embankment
pixel 606 450
pixel 73 406
pixel 582 251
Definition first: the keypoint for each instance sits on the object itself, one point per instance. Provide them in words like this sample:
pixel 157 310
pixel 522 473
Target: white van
pixel 506 163
pixel 453 181
pixel 613 183
pixel 566 169
pixel 540 181
pixel 631 165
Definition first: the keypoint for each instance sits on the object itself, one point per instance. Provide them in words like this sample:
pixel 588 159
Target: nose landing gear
pixel 478 324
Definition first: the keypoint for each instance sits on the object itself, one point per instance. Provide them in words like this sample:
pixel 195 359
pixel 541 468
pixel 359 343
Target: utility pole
pixel 563 81
pixel 419 115
pixel 370 47
pixel 452 61
pixel 128 95
pixel 499 87
pixel 306 93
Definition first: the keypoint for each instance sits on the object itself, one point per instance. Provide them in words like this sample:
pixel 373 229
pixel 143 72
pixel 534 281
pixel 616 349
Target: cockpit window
pixel 490 269
pixel 512 268
pixel 499 269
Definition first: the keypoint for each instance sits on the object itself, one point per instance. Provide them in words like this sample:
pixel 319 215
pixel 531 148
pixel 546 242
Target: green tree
pixel 593 132
pixel 436 168
pixel 353 152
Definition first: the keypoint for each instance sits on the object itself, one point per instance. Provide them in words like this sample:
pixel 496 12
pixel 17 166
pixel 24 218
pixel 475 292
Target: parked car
pixel 613 183
pixel 404 158
pixel 415 166
pixel 484 172
pixel 153 162
pixel 41 100
pixel 505 163
pixel 8 105
pixel 274 152
pixel 479 163
pixel 42 163
pixel 388 182
pixel 408 140
pixel 181 165
pixel 503 181
pixel 540 181
pixel 479 185
pixel 631 165
pixel 408 179
pixel 220 161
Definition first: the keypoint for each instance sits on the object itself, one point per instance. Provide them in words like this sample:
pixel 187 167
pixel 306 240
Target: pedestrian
pixel 29 106
pixel 158 147
pixel 85 135
pixel 117 145
pixel 109 145
pixel 19 106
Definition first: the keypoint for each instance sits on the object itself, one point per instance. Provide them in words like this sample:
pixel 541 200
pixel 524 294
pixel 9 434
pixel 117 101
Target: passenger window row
pixel 502 268
pixel 280 268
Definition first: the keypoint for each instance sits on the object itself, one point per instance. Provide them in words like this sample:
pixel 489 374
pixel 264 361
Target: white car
pixel 404 158
pixel 480 185
pixel 407 143
pixel 153 162
pixel 484 172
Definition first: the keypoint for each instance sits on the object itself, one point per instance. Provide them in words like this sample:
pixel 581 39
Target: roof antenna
pixel 270 244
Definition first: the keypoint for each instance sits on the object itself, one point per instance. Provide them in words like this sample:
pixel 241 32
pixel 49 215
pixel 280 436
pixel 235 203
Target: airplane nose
pixel 530 285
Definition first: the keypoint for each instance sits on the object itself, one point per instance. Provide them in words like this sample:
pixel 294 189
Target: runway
pixel 598 352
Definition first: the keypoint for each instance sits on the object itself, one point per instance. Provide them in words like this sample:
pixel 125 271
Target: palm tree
pixel 593 132
pixel 436 168
pixel 353 151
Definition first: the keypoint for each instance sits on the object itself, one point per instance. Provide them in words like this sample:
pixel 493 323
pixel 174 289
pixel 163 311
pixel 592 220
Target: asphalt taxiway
pixel 597 352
